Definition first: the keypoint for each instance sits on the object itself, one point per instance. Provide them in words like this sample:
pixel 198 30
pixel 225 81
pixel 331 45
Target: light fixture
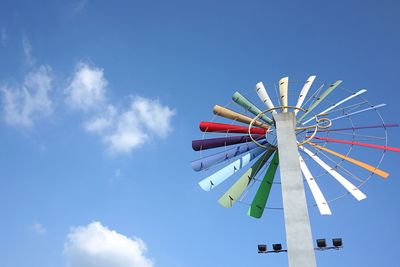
pixel 277 247
pixel 262 248
pixel 321 243
pixel 337 242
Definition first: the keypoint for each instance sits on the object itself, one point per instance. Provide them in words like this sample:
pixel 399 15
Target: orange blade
pixel 354 161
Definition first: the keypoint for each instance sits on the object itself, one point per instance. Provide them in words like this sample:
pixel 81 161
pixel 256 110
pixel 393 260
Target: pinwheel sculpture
pixel 314 131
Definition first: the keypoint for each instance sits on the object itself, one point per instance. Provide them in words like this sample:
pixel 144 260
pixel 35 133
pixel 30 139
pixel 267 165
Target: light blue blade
pixel 209 161
pixel 241 184
pixel 337 104
pixel 360 111
pixel 218 177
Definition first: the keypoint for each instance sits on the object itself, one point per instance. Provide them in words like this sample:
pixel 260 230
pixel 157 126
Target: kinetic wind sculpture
pixel 292 137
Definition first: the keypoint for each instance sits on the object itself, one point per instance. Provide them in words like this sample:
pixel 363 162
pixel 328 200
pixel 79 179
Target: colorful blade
pixel 338 104
pixel 263 95
pixel 304 92
pixel 229 128
pixel 360 111
pixel 283 92
pixel 320 98
pixel 246 104
pixel 316 192
pixel 204 144
pixel 352 189
pixel 394 149
pixel 358 127
pixel 233 115
pixel 218 177
pixel 260 200
pixel 354 161
pixel 207 162
pixel 237 188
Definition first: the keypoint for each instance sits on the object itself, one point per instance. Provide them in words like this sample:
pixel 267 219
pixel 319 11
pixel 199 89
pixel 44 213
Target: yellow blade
pixel 354 161
pixel 230 114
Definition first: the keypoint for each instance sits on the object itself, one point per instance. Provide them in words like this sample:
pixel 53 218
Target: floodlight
pixel 321 243
pixel 337 242
pixel 262 248
pixel 277 247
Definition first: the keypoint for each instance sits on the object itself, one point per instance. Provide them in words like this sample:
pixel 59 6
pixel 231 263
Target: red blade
pixel 228 128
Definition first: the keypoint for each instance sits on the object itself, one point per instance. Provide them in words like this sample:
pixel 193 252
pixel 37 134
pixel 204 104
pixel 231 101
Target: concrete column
pixel 298 230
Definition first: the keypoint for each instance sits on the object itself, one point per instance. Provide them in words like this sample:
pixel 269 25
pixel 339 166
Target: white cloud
pixel 37 228
pixel 27 48
pixel 23 103
pixel 123 131
pixel 95 245
pixel 120 129
pixel 126 135
pixel 87 87
pixel 155 116
pixel 101 123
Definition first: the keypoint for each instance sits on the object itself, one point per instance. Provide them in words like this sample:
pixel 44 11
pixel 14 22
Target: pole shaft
pixel 297 224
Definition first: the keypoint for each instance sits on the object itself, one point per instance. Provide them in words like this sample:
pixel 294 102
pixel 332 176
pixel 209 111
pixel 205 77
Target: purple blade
pixel 359 127
pixel 223 141
pixel 207 162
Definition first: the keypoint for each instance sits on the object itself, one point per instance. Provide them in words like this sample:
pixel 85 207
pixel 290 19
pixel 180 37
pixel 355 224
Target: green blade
pixel 260 200
pixel 245 103
pixel 320 98
pixel 237 188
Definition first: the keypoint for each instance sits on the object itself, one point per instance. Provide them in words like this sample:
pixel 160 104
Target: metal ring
pixel 296 129
pixel 262 113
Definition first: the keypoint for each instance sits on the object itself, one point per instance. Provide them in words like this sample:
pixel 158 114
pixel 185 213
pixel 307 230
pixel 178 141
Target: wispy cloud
pixel 154 116
pixel 123 131
pixel 28 101
pixel 120 129
pixel 37 228
pixel 87 87
pixel 100 123
pixel 27 49
pixel 95 245
pixel 3 37
pixel 125 134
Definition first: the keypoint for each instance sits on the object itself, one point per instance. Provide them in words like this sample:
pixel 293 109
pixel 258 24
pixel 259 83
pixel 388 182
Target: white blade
pixel 263 95
pixel 343 181
pixel 304 92
pixel 360 111
pixel 283 92
pixel 316 192
pixel 338 104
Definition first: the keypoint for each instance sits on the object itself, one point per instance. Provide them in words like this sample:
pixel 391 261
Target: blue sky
pixel 100 102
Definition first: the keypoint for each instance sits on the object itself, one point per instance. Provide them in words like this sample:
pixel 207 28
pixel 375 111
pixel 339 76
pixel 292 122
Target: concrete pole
pixel 297 224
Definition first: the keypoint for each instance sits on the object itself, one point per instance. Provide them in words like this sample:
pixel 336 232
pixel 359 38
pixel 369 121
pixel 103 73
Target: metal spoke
pixel 338 165
pixel 314 95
